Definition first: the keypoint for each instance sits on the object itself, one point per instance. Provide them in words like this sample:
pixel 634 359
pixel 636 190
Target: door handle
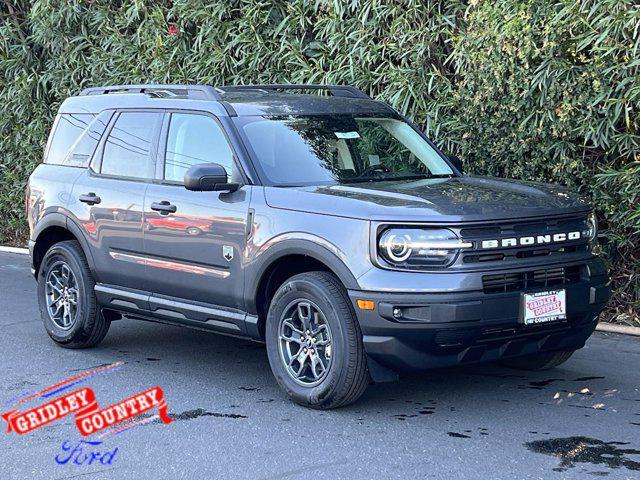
pixel 164 207
pixel 90 198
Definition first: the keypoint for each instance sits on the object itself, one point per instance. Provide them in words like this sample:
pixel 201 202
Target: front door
pixel 194 240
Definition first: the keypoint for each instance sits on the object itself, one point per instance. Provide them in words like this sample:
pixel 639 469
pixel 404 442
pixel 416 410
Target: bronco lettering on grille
pixel 532 240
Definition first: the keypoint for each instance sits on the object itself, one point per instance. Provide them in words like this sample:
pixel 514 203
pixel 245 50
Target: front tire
pixel 539 361
pixel 314 342
pixel 68 304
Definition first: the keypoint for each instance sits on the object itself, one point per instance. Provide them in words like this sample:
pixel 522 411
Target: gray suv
pixel 327 226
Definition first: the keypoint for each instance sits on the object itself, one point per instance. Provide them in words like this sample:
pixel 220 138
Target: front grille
pixel 518 229
pixel 548 277
pixel 509 334
pixel 515 254
pixel 454 338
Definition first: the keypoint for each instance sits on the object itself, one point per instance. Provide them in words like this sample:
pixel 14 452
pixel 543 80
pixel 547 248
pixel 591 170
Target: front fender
pixel 296 243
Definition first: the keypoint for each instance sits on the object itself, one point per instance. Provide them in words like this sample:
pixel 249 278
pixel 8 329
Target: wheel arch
pixel 285 259
pixel 54 228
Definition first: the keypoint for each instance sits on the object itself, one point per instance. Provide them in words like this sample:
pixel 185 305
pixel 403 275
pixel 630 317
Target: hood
pixel 457 199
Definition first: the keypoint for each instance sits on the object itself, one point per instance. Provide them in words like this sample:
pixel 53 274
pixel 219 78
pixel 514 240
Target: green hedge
pixel 524 89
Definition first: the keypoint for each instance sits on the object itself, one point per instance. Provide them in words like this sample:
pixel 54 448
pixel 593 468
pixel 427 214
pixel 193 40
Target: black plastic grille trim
pixel 520 229
pixel 548 277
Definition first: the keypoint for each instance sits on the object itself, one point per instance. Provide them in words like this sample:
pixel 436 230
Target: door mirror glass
pixel 456 163
pixel 208 177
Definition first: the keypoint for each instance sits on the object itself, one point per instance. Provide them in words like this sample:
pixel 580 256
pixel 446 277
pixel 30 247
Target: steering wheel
pixel 374 168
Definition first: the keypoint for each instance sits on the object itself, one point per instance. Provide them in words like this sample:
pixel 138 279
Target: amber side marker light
pixel 366 304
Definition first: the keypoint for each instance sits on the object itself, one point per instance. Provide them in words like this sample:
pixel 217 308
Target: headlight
pixel 591 232
pixel 419 247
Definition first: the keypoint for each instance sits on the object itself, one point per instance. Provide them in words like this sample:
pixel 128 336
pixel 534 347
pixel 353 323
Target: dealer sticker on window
pixel 543 307
pixel 347 135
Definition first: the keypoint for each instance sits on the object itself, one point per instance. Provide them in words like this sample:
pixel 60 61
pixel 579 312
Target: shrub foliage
pixel 531 89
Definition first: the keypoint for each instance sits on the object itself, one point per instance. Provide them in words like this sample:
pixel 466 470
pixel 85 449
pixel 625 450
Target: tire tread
pixel 96 325
pixel 357 378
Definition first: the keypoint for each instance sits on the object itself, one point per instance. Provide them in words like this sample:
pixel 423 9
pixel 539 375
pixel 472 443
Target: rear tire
pixel 68 304
pixel 328 351
pixel 539 361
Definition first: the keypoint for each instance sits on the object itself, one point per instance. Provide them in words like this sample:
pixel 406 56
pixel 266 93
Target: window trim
pixel 52 133
pixel 164 136
pixel 95 167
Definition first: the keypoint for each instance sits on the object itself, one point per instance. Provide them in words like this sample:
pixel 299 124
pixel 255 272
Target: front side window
pixel 128 149
pixel 193 139
pixel 329 149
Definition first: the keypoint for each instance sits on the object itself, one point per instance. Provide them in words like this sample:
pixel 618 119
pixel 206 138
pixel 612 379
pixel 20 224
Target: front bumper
pixel 444 329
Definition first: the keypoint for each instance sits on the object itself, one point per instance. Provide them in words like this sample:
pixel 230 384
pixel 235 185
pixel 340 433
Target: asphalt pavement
pixel 580 420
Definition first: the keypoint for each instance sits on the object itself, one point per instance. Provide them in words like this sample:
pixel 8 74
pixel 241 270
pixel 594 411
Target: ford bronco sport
pixel 327 226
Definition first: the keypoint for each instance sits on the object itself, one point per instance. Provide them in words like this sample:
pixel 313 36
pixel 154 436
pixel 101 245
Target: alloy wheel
pixel 61 291
pixel 305 342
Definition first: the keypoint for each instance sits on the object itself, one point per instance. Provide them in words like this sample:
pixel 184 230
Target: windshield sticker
pixel 347 135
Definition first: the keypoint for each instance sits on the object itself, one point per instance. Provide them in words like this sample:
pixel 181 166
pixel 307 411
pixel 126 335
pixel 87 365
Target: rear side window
pixel 82 150
pixel 128 149
pixel 69 129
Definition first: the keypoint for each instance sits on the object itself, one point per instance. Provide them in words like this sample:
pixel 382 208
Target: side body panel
pixel 196 253
pixel 50 192
pixel 112 228
pixel 340 243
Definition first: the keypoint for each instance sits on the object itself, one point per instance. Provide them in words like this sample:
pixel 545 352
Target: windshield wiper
pixel 442 175
pixel 363 180
pixel 393 179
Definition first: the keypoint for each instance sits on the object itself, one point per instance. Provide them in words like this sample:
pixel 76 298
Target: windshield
pixel 329 149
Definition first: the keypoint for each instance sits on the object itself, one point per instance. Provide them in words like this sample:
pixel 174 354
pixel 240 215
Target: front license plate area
pixel 544 307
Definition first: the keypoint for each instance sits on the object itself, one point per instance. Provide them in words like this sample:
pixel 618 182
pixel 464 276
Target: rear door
pixel 108 198
pixel 194 240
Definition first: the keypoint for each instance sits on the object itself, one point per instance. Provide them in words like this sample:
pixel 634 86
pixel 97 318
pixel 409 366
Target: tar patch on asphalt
pixel 572 450
pixel 543 383
pixel 193 414
pixel 200 412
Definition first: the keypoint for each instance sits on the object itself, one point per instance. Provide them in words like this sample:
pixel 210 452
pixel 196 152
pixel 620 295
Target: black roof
pixel 239 100
pixel 276 103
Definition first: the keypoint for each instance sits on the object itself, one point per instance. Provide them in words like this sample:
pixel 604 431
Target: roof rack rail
pixel 199 92
pixel 336 90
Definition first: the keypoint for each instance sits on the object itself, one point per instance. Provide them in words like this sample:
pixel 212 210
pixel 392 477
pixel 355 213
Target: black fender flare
pixel 53 219
pixel 305 244
pixel 57 219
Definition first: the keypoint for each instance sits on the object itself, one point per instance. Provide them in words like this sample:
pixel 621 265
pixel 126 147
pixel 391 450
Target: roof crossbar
pixel 199 92
pixel 336 90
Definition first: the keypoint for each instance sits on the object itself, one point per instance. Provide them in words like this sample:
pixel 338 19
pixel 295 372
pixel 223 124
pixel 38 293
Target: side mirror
pixel 456 163
pixel 208 177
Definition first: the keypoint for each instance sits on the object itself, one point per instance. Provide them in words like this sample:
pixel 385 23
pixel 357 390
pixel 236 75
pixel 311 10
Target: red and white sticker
pixel 544 307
